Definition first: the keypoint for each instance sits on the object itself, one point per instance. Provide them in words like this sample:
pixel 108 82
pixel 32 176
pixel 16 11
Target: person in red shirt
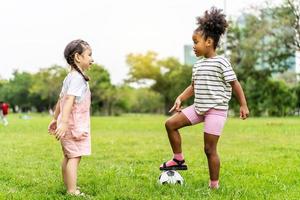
pixel 3 112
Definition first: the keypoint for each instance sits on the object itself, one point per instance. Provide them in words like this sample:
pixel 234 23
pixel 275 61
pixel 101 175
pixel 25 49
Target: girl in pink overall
pixel 71 122
pixel 77 140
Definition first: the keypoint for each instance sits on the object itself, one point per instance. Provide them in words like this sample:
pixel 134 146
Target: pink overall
pixel 74 144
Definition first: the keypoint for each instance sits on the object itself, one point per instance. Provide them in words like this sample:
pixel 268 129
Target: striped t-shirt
pixel 211 78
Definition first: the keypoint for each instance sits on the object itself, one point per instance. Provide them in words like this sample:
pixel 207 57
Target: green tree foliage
pixel 2 89
pixel 101 88
pixel 292 16
pixel 170 77
pixel 259 46
pixel 280 99
pixel 258 43
pixel 40 91
pixel 16 90
pixel 296 90
pixel 146 101
pixel 140 100
pixel 46 86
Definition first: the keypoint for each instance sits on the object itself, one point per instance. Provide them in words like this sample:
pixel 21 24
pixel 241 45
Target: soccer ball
pixel 170 177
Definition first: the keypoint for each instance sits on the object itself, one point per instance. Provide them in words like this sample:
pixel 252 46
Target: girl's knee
pixel 210 150
pixel 169 124
pixel 75 159
pixel 172 124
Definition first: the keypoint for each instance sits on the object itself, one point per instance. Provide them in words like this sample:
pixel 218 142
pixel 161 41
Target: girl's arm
pixel 239 93
pixel 57 110
pixel 65 114
pixel 187 93
pixel 53 124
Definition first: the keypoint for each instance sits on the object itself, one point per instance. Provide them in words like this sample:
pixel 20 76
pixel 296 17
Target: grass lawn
pixel 260 159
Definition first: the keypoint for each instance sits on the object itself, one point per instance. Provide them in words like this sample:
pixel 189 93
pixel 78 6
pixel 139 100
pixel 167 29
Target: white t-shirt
pixel 74 84
pixel 212 89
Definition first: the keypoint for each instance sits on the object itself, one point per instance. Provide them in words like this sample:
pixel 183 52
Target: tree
pixel 280 99
pixel 296 90
pixel 293 9
pixel 140 100
pixel 259 46
pixel 260 43
pixel 101 88
pixel 46 86
pixel 168 75
pixel 2 89
pixel 16 91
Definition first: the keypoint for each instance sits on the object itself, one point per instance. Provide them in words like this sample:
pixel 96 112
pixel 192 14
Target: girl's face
pixel 202 46
pixel 85 59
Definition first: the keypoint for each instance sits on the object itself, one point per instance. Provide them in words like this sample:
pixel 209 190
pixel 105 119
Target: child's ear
pixel 209 42
pixel 77 57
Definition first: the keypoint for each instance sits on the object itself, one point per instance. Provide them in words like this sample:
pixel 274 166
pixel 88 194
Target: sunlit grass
pixel 259 160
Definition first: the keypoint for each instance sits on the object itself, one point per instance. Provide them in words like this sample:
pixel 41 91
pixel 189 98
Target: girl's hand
pixel 52 127
pixel 61 130
pixel 177 106
pixel 244 112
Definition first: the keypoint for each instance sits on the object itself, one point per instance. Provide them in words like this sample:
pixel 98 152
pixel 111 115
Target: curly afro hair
pixel 213 24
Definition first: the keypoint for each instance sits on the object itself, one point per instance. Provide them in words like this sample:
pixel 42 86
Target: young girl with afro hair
pixel 213 81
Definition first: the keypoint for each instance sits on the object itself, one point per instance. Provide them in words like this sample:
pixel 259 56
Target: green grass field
pixel 259 160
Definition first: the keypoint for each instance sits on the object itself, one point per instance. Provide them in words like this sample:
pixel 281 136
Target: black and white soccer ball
pixel 170 177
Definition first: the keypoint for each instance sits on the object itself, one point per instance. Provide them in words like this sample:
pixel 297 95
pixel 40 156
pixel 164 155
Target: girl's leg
pixel 1 117
pixel 63 169
pixel 71 174
pixel 210 149
pixel 172 125
pixel 5 121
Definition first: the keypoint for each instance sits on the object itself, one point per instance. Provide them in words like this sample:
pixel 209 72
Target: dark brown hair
pixel 213 24
pixel 76 46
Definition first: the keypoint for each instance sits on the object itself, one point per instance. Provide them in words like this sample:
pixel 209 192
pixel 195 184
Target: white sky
pixel 34 33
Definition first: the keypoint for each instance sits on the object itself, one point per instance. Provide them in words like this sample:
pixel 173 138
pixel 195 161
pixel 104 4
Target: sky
pixel 34 33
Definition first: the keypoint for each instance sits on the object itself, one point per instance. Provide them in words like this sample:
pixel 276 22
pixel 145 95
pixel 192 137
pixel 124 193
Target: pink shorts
pixel 213 119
